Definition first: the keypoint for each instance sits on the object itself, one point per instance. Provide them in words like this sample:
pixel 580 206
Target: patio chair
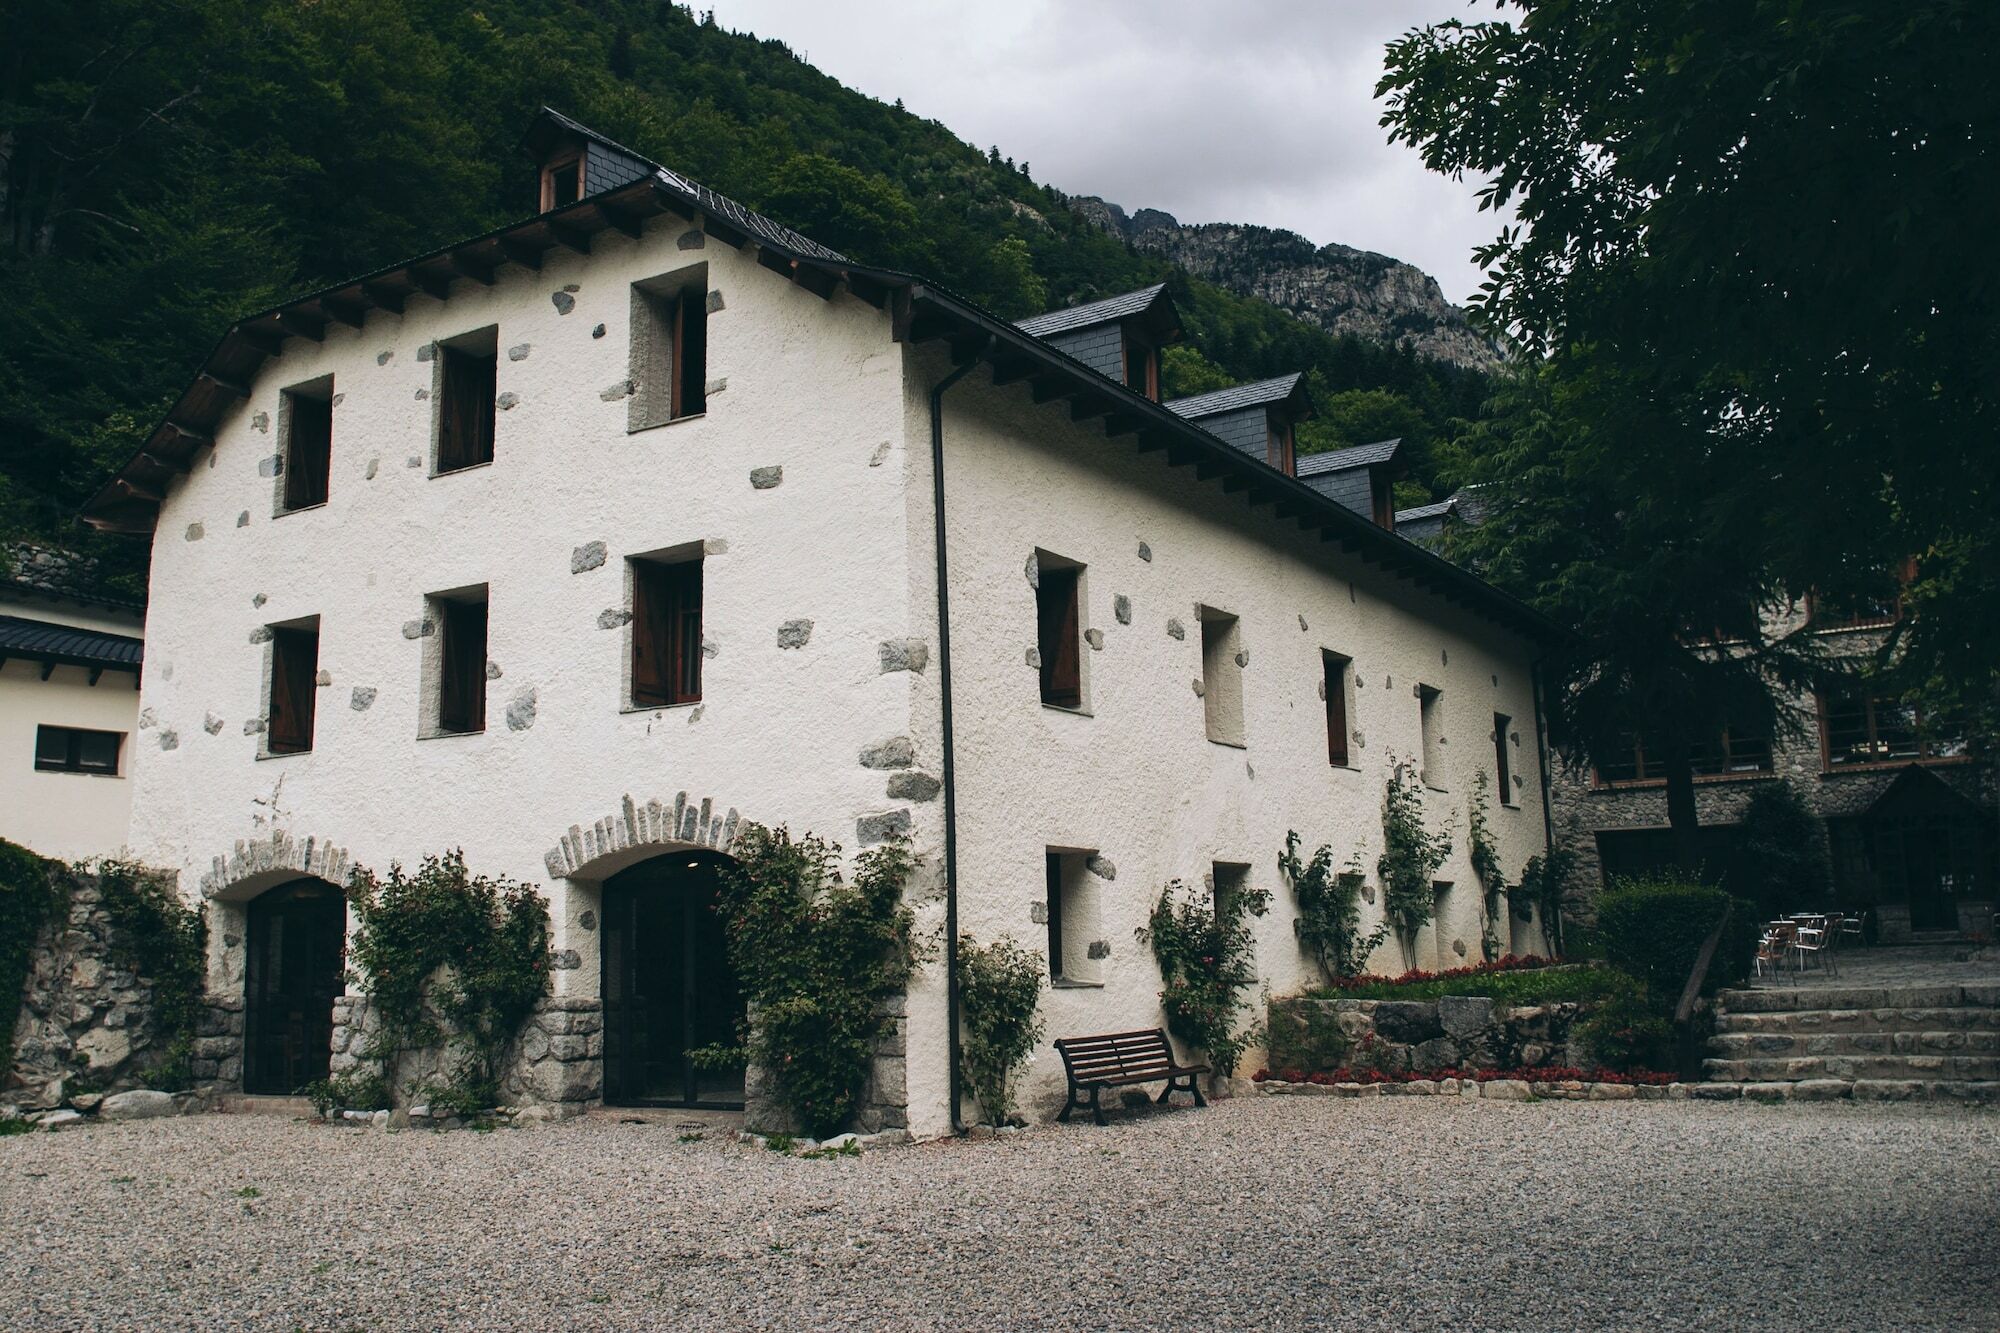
pixel 1816 942
pixel 1773 949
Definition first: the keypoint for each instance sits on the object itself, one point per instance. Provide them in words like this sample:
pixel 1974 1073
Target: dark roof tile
pixel 1343 460
pixel 47 642
pixel 1123 306
pixel 1240 396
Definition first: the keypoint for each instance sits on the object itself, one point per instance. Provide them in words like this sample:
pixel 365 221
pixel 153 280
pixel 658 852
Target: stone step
pixel 1809 1021
pixel 1815 995
pixel 1860 1090
pixel 1742 1045
pixel 236 1103
pixel 1791 1068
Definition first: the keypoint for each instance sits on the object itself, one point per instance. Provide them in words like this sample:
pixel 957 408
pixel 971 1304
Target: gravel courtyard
pixel 1264 1213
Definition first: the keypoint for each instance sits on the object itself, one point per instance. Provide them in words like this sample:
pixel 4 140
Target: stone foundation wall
pixel 218 1045
pixel 885 1097
pixel 85 1023
pixel 1469 1033
pixel 557 1060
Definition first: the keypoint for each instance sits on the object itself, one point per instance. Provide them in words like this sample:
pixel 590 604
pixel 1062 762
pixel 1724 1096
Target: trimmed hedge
pixel 1653 929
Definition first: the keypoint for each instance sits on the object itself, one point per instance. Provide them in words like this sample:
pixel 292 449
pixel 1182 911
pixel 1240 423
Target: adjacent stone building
pixel 581 544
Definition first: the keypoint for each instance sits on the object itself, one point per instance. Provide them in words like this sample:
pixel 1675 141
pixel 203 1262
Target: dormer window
pixel 1278 446
pixel 562 181
pixel 1142 367
pixel 1382 495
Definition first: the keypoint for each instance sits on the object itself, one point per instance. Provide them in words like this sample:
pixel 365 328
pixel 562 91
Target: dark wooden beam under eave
pixel 467 267
pixel 430 284
pixel 815 280
pixel 620 220
pixel 521 251
pixel 353 316
pixel 967 348
pixel 136 491
pixel 194 439
pixel 389 298
pixel 1088 405
pixel 1046 390
pixel 1006 372
pixel 1116 425
pixel 259 341
pixel 567 236
pixel 927 327
pixel 302 326
pixel 209 377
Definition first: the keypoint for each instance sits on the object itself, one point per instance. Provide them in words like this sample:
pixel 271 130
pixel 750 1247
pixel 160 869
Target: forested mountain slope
pixel 167 165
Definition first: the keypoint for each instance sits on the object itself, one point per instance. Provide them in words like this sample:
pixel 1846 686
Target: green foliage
pixel 1653 929
pixel 999 991
pixel 355 1090
pixel 817 958
pixel 1207 958
pixel 1185 372
pixel 1540 985
pixel 1545 885
pixel 1626 1032
pixel 11 1125
pixel 164 942
pixel 447 957
pixel 465 1094
pixel 1782 862
pixel 32 893
pixel 1485 858
pixel 148 196
pixel 1329 910
pixel 1411 856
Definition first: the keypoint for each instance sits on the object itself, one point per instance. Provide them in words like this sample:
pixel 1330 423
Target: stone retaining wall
pixel 1318 1036
pixel 85 1022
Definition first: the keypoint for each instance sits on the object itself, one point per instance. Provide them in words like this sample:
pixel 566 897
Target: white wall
pixel 1137 780
pixel 66 815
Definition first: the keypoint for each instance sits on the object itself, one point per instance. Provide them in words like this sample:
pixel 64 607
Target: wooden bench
pixel 1118 1059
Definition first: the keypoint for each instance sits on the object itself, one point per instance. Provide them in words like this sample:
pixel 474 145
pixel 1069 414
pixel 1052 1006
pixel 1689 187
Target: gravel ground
pixel 1265 1213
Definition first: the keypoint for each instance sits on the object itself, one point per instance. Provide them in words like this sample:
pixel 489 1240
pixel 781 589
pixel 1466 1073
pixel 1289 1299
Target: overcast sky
pixel 1240 111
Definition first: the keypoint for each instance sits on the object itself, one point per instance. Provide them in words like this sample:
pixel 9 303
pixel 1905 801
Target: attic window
pixel 562 181
pixel 1382 498
pixel 1278 448
pixel 1142 367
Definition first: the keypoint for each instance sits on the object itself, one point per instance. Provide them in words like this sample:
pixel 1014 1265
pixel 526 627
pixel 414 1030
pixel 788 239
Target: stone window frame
pixel 481 340
pixel 1506 745
pixel 281 474
pixel 1049 560
pixel 1430 736
pixel 654 350
pixel 1073 905
pixel 430 672
pixel 1328 658
pixel 1224 718
pixel 274 632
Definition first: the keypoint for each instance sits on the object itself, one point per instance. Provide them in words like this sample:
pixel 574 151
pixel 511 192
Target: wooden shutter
pixel 462 668
pixel 1053 872
pixel 308 451
pixel 1056 616
pixel 294 667
pixel 685 601
pixel 1502 773
pixel 465 426
pixel 1336 711
pixel 691 354
pixel 652 625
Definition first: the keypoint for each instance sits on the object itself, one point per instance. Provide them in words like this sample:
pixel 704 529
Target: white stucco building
pixel 581 543
pixel 69 705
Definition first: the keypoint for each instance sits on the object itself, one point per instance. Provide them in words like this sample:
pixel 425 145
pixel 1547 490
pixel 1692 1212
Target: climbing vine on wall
pixel 816 957
pixel 1486 865
pixel 165 943
pixel 1545 882
pixel 1207 959
pixel 449 959
pixel 1411 856
pixel 1329 911
pixel 999 992
pixel 32 893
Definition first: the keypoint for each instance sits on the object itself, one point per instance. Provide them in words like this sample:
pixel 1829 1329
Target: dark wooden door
pixel 668 986
pixel 297 957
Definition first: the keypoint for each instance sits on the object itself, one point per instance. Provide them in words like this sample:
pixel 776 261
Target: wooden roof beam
pixel 1052 387
pixel 265 344
pixel 384 296
pixel 521 251
pixel 430 284
pixel 214 380
pixel 815 280
pixel 568 237
pixel 138 492
pixel 1011 372
pixel 967 348
pixel 467 267
pixel 619 220
pixel 301 326
pixel 353 316
pixel 927 327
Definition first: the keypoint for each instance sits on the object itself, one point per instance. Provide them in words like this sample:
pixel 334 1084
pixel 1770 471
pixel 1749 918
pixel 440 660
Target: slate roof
pixel 46 642
pixel 1422 512
pixel 711 203
pixel 1097 312
pixel 1344 460
pixel 1241 396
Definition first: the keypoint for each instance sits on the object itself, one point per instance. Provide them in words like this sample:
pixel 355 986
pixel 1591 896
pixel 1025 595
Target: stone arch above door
pixel 256 864
pixel 608 844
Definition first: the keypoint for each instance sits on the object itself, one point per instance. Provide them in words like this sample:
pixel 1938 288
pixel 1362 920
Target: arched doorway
pixel 668 986
pixel 294 969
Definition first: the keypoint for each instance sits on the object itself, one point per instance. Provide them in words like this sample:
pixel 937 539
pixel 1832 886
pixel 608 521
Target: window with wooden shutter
pixel 562 182
pixel 468 374
pixel 1052 870
pixel 1503 767
pixel 1382 498
pixel 294 690
pixel 1278 449
pixel 462 665
pixel 669 348
pixel 1058 633
pixel 1335 685
pixel 691 354
pixel 307 414
pixel 1142 367
pixel 666 633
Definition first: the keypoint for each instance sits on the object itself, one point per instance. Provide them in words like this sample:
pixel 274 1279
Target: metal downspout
pixel 944 702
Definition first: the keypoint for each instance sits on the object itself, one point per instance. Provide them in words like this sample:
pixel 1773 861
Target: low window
pixel 1142 367
pixel 666 631
pixel 1333 683
pixel 1227 881
pixel 1059 630
pixel 669 348
pixel 294 688
pixel 562 182
pixel 1430 720
pixel 306 416
pixel 1872 729
pixel 1075 951
pixel 1222 660
pixel 461 668
pixel 467 373
pixel 1503 767
pixel 76 750
pixel 1732 752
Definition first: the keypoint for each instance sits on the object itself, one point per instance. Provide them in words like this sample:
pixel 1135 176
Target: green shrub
pixel 444 943
pixel 1329 903
pixel 32 892
pixel 1411 855
pixel 165 942
pixel 1626 1033
pixel 1545 883
pixel 1653 928
pixel 1547 985
pixel 999 990
pixel 1782 864
pixel 1207 957
pixel 816 958
pixel 355 1090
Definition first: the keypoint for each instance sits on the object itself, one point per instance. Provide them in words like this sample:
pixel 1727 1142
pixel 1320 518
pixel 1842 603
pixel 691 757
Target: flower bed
pixel 1511 980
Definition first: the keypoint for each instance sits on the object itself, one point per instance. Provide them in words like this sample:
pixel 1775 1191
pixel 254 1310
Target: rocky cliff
pixel 1339 289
